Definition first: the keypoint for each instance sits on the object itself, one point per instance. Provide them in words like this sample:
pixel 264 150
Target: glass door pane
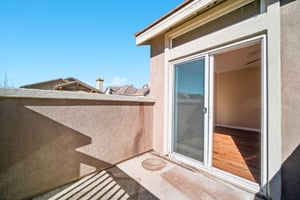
pixel 189 110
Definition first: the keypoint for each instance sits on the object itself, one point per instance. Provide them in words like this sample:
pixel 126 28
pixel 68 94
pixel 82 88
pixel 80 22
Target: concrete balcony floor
pixel 148 176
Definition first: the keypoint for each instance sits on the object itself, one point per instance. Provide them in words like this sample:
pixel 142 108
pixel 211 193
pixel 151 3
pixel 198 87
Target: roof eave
pixel 179 14
pixel 41 83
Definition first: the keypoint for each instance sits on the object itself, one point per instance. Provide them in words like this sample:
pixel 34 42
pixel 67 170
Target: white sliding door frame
pixel 206 103
pixel 209 116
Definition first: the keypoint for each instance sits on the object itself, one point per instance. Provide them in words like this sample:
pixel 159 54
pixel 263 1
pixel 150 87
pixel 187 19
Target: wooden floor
pixel 237 152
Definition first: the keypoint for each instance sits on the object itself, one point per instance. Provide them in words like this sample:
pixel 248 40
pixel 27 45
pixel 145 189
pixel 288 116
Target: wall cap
pixel 52 94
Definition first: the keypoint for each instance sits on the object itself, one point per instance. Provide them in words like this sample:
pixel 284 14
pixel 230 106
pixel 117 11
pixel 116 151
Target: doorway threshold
pixel 174 181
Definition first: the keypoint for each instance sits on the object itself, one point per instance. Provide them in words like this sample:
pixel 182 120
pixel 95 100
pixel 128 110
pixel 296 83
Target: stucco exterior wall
pixel 290 23
pixel 47 142
pixel 290 63
pixel 268 23
pixel 265 24
pixel 157 91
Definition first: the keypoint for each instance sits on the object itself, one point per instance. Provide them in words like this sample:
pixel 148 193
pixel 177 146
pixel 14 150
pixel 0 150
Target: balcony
pixel 67 145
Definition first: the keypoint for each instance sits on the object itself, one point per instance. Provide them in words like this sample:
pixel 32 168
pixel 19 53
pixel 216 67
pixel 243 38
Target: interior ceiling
pixel 237 59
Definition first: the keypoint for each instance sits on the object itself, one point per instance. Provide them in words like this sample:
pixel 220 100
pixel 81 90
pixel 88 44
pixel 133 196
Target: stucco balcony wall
pixel 50 138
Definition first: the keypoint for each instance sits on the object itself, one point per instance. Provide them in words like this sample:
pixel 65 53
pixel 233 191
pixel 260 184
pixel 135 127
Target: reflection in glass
pixel 188 127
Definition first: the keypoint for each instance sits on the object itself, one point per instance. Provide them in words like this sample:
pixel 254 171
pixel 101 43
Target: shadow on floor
pixel 39 153
pixel 111 183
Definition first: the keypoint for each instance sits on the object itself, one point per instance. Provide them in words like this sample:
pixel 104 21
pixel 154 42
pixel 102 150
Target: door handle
pixel 204 110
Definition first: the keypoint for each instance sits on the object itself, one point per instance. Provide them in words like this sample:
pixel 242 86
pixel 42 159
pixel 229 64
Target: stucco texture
pixel 290 59
pixel 290 23
pixel 157 91
pixel 47 143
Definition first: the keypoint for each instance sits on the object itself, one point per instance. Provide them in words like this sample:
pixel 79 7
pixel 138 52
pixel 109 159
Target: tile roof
pixel 62 84
pixel 43 82
pixel 128 90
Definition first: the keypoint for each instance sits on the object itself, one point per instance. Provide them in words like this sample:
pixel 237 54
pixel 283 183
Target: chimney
pixel 99 84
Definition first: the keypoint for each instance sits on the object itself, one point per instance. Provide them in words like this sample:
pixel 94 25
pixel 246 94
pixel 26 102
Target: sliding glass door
pixel 189 109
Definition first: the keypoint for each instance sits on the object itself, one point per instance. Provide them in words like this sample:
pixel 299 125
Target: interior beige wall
pixel 238 98
pixel 47 143
pixel 157 91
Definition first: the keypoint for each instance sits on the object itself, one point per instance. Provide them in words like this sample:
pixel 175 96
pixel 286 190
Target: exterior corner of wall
pixel 157 90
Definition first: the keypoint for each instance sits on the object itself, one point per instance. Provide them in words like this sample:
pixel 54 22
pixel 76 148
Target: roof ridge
pixel 67 81
pixel 42 82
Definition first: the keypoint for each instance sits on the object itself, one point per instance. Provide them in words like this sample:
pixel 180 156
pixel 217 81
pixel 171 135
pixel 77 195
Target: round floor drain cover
pixel 153 164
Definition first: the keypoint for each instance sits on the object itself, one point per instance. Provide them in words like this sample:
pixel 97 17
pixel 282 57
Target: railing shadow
pixel 38 153
pixel 111 183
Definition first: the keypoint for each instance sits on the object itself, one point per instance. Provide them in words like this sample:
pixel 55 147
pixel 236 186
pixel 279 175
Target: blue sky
pixel 47 39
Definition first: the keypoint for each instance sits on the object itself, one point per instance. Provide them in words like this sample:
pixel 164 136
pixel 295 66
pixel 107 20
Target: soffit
pixel 187 11
pixel 181 13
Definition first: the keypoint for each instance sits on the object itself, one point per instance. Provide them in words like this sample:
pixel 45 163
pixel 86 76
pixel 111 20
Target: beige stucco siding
pixel 278 23
pixel 290 62
pixel 45 143
pixel 157 91
pixel 290 69
pixel 265 23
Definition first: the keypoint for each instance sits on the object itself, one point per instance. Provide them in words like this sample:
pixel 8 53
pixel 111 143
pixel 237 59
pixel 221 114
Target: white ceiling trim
pixel 210 15
pixel 176 17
